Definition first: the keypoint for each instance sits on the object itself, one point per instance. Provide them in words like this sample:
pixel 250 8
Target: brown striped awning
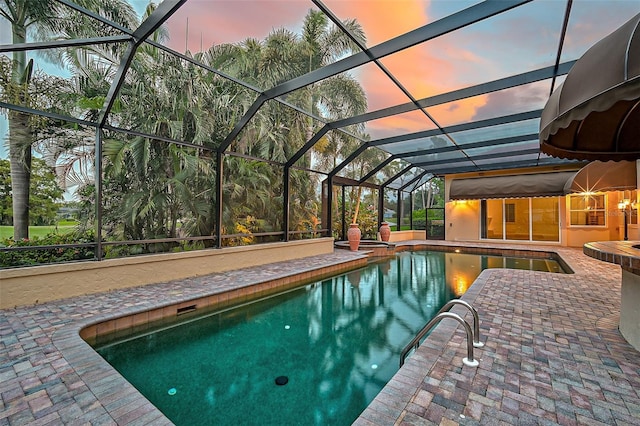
pixel 595 113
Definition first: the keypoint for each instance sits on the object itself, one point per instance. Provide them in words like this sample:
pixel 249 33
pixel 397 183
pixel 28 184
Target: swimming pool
pixel 337 342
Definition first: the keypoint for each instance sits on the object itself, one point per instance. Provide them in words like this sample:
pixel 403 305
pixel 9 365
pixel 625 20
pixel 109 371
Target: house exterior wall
pixel 463 219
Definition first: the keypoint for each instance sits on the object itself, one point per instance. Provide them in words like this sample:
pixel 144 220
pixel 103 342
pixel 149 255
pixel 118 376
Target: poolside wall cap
pixel 595 113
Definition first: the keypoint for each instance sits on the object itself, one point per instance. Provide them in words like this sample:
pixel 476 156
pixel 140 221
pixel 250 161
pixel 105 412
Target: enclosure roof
pixel 451 86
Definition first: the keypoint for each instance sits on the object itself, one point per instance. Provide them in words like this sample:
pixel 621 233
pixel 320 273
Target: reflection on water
pixel 338 341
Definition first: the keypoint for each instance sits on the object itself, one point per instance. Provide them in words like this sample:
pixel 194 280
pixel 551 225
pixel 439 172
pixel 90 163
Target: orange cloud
pixel 409 122
pixel 383 19
pixel 424 70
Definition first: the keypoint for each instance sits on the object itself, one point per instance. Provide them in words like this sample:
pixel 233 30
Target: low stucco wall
pixel 38 284
pixel 630 308
pixel 397 236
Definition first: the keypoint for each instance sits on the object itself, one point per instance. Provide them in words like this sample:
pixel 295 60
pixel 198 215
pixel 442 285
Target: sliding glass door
pixel 545 219
pixel 493 219
pixel 521 219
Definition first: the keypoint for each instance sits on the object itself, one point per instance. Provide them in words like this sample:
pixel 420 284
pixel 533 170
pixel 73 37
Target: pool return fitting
pixel 473 336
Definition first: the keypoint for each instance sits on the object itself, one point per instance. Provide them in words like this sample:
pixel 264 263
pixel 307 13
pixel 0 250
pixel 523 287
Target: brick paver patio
pixel 553 354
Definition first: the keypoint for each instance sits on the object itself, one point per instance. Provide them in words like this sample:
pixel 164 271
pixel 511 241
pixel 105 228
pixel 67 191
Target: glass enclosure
pixel 160 127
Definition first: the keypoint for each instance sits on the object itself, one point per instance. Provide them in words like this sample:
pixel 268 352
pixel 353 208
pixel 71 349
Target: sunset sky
pixel 513 42
pixel 516 41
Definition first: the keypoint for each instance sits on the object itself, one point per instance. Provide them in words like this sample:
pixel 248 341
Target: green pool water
pixel 337 342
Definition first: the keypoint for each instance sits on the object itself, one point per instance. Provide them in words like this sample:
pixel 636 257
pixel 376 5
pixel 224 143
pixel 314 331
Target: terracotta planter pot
pixel 354 278
pixel 385 231
pixel 353 235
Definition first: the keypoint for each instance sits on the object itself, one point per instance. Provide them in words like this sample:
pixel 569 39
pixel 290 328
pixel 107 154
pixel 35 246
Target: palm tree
pixel 152 185
pixel 22 15
pixel 336 97
pixel 276 132
pixel 43 20
pixel 169 97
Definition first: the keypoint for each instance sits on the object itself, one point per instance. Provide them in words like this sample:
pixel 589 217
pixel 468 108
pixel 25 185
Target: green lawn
pixel 39 231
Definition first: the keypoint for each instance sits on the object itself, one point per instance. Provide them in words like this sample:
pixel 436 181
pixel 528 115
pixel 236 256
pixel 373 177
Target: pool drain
pixel 282 380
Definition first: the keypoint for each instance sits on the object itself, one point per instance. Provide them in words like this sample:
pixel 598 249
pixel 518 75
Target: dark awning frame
pixel 510 186
pixel 596 176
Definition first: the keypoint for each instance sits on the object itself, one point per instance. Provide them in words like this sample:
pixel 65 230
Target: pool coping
pixel 228 298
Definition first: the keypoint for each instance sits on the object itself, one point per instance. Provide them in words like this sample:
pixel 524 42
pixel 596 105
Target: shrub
pixel 419 223
pixel 39 256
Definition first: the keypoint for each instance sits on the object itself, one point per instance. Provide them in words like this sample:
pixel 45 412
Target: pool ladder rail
pixel 473 336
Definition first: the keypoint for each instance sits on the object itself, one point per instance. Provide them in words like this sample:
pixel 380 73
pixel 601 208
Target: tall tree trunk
pixel 20 159
pixel 357 208
pixel 336 205
pixel 20 142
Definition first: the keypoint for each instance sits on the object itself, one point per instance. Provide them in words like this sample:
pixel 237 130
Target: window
pixel 633 206
pixel 510 212
pixel 587 210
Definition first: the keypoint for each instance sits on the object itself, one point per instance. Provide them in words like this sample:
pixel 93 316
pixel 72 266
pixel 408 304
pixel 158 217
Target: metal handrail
pixel 415 342
pixel 471 343
pixel 476 322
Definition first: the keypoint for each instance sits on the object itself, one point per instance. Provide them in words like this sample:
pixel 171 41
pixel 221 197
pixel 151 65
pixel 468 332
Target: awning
pixel 599 176
pixel 595 113
pixel 512 186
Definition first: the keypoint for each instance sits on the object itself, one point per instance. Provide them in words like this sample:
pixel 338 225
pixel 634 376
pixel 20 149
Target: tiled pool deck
pixel 553 354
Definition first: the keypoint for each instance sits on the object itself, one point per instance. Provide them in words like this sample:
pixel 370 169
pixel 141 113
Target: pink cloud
pixel 425 70
pixel 515 100
pixel 419 69
pixel 503 45
pixel 227 21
